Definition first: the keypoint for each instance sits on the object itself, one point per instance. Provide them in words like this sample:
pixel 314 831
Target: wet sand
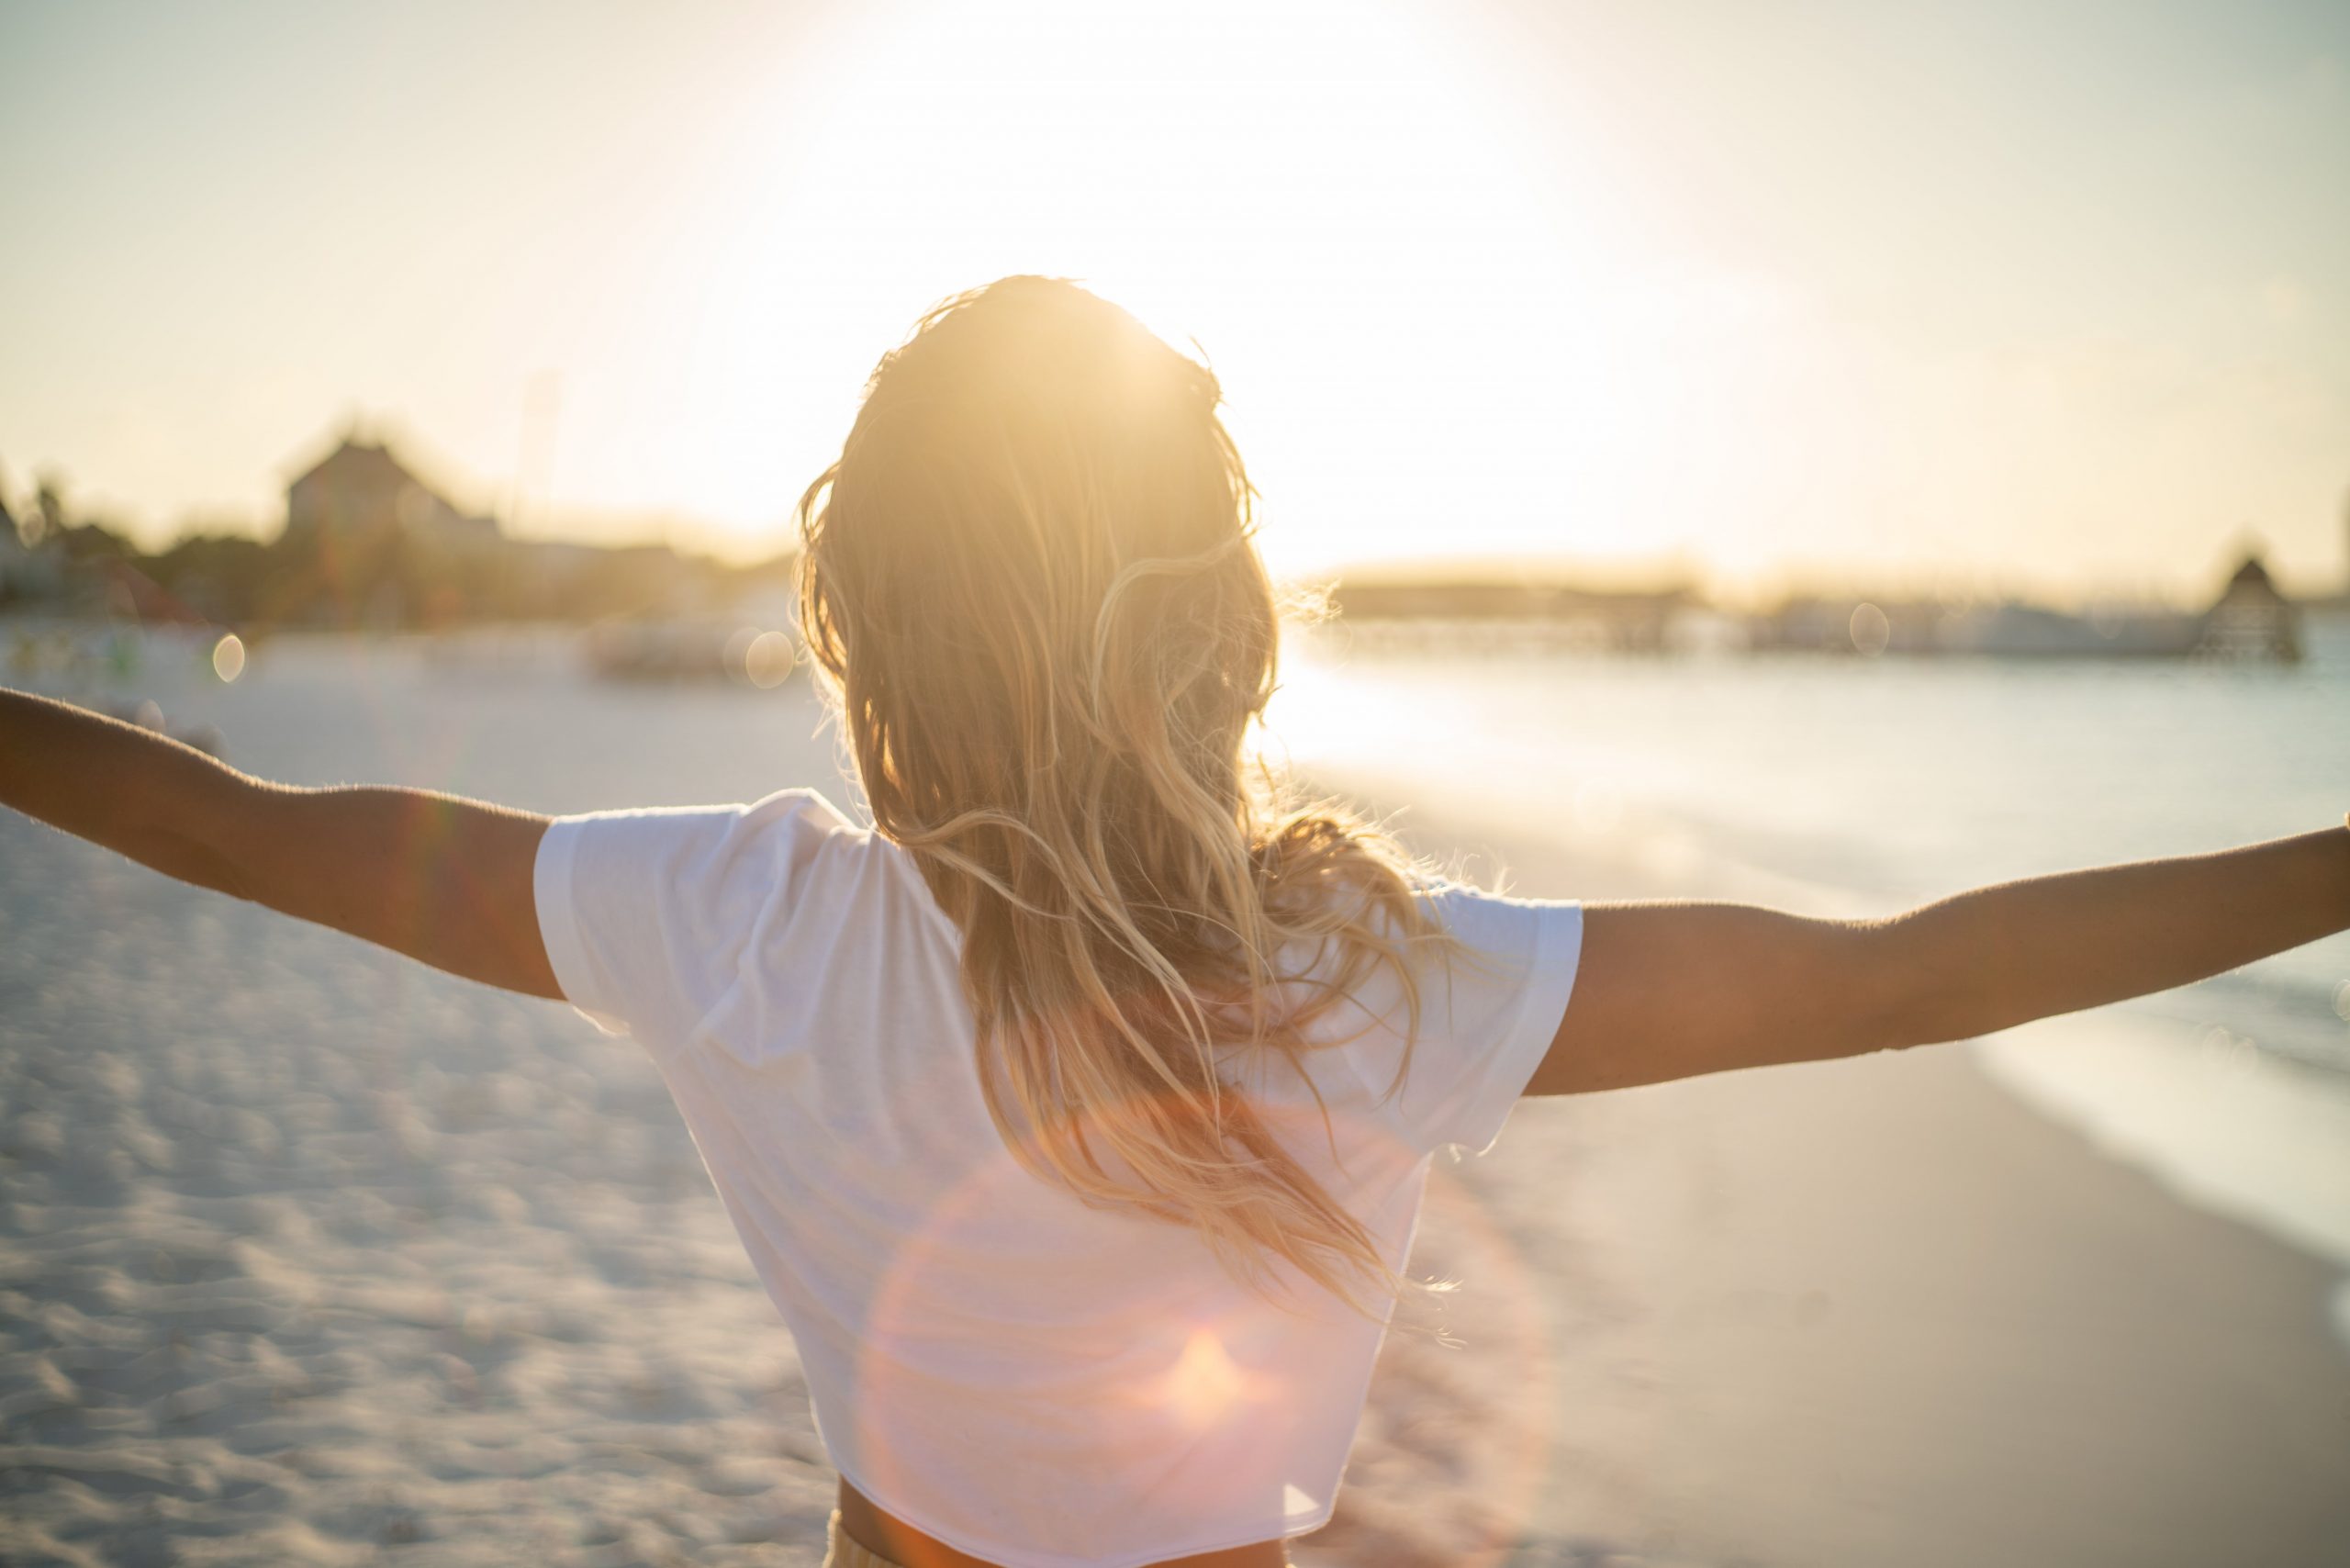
pixel 307 1253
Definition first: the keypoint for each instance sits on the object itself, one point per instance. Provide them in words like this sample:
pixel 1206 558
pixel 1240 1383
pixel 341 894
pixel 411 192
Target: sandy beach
pixel 310 1254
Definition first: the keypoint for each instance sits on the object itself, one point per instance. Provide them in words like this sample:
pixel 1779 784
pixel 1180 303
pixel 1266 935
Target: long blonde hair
pixel 1031 585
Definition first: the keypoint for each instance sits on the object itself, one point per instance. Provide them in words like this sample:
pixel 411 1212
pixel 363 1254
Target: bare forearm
pixel 443 880
pixel 1996 956
pixel 139 793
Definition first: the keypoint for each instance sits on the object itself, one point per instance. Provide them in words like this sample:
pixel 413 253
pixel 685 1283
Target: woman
pixel 1077 1112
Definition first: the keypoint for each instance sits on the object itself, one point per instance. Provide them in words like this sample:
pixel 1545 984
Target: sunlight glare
pixel 1205 1382
pixel 1317 196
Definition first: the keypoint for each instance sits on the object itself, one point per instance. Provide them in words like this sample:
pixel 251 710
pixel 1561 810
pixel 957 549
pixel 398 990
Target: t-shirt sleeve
pixel 647 915
pixel 1489 1014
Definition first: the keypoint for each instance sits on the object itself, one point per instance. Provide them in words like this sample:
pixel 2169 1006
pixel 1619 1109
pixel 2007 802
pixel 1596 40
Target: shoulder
pixel 822 856
pixel 799 847
pixel 805 818
pixel 1502 923
pixel 649 913
pixel 1435 1050
pixel 802 814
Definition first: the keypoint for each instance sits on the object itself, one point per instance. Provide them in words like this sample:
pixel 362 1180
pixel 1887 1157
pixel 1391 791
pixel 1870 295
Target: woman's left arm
pixel 1665 991
pixel 445 880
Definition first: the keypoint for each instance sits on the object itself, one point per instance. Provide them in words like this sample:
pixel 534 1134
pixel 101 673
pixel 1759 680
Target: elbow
pixel 195 862
pixel 1920 997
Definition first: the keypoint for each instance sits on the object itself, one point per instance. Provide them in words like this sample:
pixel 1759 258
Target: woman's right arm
pixel 445 880
pixel 1668 991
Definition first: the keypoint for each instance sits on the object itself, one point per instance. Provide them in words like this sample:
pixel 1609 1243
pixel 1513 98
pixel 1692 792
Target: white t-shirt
pixel 1033 1382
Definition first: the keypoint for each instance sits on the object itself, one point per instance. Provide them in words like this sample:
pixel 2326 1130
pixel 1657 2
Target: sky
pixel 2050 298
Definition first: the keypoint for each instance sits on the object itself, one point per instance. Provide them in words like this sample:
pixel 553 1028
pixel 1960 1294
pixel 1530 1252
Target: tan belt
pixel 841 1551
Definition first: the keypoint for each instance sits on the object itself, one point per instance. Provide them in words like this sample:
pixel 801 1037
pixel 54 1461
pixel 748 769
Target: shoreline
pixel 1885 1310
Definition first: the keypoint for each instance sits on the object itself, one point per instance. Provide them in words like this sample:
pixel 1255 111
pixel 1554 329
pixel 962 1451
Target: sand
pixel 310 1254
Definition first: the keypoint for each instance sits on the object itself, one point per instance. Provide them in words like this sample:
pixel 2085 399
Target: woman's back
pixel 1034 1381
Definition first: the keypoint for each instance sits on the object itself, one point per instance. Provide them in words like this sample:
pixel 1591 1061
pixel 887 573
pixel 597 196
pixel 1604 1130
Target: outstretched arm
pixel 439 878
pixel 1668 991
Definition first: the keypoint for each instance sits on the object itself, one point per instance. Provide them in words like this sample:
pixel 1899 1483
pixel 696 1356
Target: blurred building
pixel 2252 620
pixel 368 542
pixel 360 493
pixel 1622 619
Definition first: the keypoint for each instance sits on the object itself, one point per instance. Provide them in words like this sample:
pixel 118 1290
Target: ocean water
pixel 1858 786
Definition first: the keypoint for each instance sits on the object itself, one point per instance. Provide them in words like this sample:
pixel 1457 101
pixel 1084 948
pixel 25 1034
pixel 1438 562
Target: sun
pixel 1317 197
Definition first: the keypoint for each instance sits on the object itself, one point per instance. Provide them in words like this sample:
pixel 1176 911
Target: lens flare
pixel 228 657
pixel 768 660
pixel 1205 1382
pixel 1870 630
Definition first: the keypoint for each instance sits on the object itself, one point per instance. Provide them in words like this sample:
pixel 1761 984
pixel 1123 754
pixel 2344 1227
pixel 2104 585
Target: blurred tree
pixel 49 503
